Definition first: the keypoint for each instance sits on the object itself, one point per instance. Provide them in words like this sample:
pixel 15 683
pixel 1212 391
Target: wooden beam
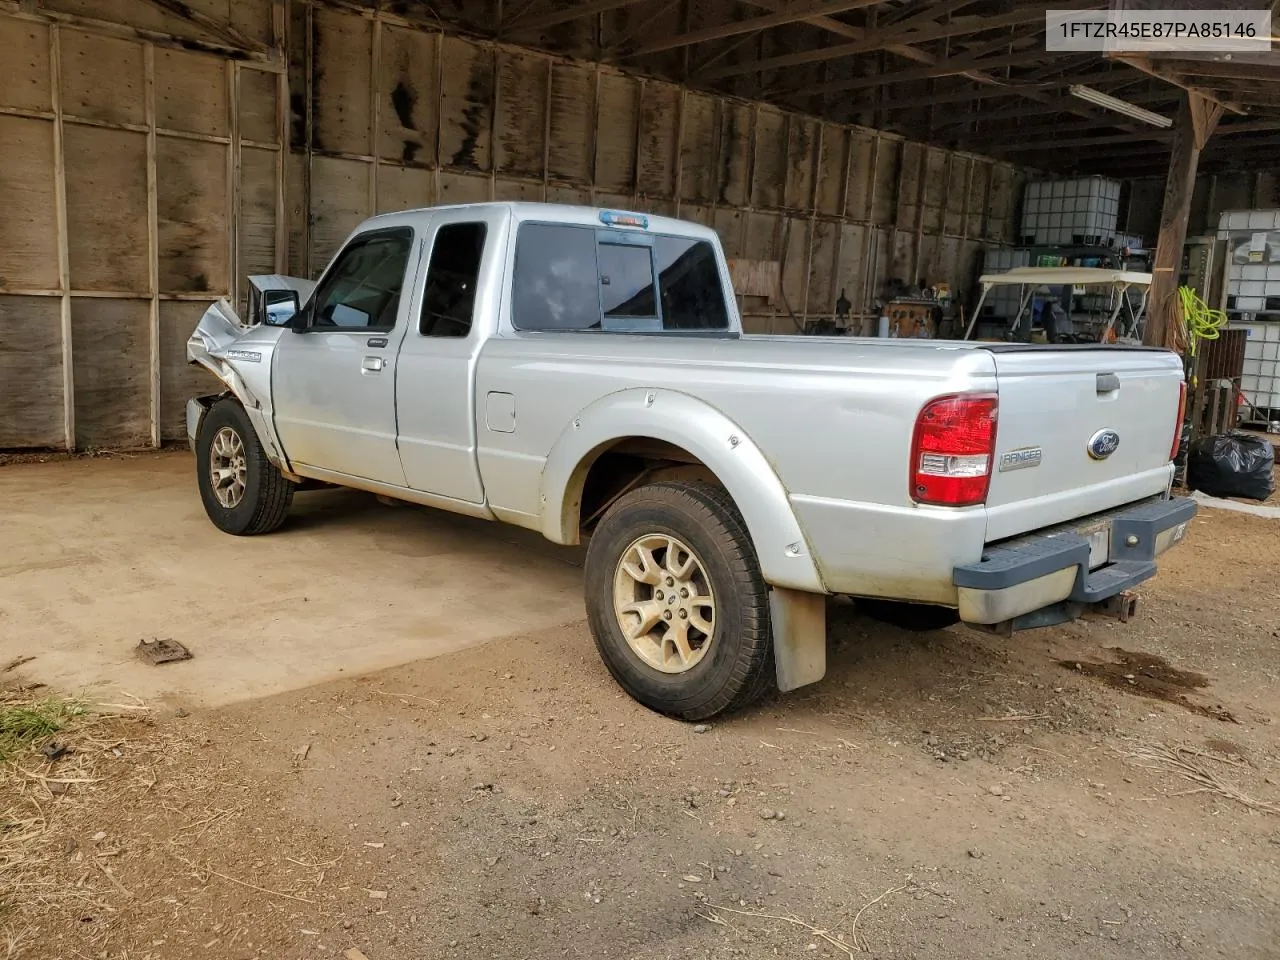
pixel 1205 115
pixel 946 68
pixel 1222 68
pixel 220 29
pixel 1018 86
pixel 905 50
pixel 829 24
pixel 159 38
pixel 576 12
pixel 1068 105
pixel 1162 307
pixel 883 39
pixel 1152 133
pixel 642 29
pixel 1162 72
pixel 796 13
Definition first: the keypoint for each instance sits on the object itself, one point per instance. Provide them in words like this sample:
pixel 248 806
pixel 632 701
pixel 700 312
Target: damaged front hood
pixel 237 354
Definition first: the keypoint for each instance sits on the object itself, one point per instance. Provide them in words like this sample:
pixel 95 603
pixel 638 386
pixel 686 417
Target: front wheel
pixel 676 602
pixel 243 493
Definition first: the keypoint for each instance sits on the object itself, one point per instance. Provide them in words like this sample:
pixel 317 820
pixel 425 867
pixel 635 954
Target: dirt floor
pixel 1096 790
pixel 101 552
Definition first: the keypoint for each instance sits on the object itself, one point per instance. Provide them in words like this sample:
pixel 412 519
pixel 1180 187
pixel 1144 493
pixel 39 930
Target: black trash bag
pixel 1180 461
pixel 1232 465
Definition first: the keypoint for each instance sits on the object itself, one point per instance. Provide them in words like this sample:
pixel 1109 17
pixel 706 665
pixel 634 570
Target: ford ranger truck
pixel 583 373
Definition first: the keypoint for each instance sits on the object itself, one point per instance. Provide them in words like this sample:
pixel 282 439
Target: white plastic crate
pixel 1260 382
pixel 1240 221
pixel 1059 211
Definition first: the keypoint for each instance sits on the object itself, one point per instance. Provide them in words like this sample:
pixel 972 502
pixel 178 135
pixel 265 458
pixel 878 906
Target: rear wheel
pixel 243 493
pixel 676 602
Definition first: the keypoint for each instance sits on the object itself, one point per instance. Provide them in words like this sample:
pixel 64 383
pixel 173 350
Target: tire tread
pixel 752 673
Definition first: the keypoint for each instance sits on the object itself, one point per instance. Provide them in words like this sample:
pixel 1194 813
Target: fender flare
pixel 786 559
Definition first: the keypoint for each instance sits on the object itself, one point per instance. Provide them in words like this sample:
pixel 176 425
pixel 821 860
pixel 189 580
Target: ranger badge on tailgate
pixel 1021 458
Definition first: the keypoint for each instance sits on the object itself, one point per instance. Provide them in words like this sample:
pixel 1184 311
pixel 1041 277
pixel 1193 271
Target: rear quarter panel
pixel 833 417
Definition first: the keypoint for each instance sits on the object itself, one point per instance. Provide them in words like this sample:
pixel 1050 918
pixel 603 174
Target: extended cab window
pixel 450 297
pixel 362 289
pixel 689 277
pixel 555 286
pixel 570 277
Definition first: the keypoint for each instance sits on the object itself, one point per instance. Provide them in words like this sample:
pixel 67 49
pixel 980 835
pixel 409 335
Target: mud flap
pixel 799 636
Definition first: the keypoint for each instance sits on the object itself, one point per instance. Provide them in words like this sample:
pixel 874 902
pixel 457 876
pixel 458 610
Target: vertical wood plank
pixel 233 181
pixel 493 124
pixel 865 279
pixel 64 256
pixel 635 146
pixel 920 198
pixel 375 110
pixel 438 159
pixel 846 168
pixel 813 216
pixel 679 138
pixel 153 240
pixel 546 123
pixel 309 126
pixel 595 135
pixel 280 25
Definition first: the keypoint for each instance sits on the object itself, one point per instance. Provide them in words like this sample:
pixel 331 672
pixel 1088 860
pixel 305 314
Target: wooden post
pixel 153 242
pixel 64 257
pixel 1197 118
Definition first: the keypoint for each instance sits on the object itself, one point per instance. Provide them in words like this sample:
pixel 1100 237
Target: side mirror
pixel 280 307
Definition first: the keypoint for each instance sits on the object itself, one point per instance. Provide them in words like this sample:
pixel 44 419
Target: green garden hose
pixel 1202 323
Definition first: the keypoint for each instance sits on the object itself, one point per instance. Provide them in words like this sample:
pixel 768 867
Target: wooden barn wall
pixel 388 114
pixel 141 180
pixel 153 161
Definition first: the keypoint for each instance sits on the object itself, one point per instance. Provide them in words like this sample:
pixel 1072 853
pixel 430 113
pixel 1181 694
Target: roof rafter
pixel 975 59
pixel 871 42
pixel 795 13
pixel 540 21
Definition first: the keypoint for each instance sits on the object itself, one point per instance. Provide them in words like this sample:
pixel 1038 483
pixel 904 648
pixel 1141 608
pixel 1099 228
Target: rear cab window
pixel 579 277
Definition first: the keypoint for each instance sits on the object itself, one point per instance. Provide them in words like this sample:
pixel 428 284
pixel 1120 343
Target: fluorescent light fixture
pixel 1108 102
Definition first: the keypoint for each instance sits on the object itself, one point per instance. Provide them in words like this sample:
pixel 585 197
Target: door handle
pixel 371 365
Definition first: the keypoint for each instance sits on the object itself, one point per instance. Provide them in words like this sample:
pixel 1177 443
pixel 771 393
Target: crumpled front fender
pixel 240 356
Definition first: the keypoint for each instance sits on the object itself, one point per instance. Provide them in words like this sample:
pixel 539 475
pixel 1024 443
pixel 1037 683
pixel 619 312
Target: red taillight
pixel 951 450
pixel 1177 424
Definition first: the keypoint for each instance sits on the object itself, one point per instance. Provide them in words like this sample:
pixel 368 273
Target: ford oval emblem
pixel 1103 444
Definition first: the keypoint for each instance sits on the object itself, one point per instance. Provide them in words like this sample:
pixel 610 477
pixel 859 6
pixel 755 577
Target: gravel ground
pixel 1096 790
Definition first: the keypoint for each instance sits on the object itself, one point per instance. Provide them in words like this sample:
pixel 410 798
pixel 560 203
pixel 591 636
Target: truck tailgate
pixel 1060 401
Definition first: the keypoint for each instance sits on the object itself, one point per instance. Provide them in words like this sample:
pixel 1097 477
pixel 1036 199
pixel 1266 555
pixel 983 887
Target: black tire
pixel 267 494
pixel 916 617
pixel 737 668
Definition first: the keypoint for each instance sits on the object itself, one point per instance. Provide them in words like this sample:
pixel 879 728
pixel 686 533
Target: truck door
pixel 435 381
pixel 334 383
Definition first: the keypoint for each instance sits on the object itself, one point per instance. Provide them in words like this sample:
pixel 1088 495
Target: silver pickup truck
pixel 583 373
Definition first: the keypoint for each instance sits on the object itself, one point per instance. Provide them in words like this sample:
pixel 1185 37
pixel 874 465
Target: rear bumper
pixel 1044 577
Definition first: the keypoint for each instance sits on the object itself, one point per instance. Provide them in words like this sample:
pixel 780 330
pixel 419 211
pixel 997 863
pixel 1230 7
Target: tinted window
pixel 362 290
pixel 626 281
pixel 450 297
pixel 556 286
pixel 689 278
